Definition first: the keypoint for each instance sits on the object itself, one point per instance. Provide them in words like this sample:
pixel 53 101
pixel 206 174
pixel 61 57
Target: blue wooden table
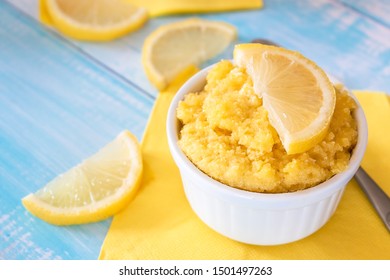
pixel 61 100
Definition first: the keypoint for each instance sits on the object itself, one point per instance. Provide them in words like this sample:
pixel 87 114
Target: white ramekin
pixel 256 218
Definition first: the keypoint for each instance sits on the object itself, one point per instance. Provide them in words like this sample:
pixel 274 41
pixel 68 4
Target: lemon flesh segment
pixel 297 94
pixel 95 20
pixel 93 190
pixel 171 48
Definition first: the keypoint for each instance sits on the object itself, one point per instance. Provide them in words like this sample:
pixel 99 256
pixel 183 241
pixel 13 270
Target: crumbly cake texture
pixel 226 133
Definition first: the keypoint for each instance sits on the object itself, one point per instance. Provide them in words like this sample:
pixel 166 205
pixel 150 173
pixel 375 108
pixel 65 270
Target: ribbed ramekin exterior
pixel 257 225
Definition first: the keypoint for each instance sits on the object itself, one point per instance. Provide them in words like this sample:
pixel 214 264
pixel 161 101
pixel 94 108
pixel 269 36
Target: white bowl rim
pixel 196 83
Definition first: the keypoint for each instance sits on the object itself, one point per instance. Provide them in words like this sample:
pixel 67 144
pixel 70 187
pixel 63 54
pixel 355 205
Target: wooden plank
pixel 353 48
pixel 56 108
pixel 122 56
pixel 346 43
pixel 377 10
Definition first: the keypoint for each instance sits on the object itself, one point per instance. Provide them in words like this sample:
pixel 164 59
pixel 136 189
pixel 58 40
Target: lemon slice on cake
pixel 172 48
pixel 297 94
pixel 93 20
pixel 93 190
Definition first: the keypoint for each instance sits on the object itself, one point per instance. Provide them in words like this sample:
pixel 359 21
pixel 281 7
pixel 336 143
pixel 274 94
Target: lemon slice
pixel 93 190
pixel 173 47
pixel 297 94
pixel 94 20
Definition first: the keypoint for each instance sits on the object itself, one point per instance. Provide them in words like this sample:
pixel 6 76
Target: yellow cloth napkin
pixel 159 223
pixel 166 7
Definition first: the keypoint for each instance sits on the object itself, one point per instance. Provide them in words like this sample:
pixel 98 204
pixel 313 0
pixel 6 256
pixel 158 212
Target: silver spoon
pixel 378 198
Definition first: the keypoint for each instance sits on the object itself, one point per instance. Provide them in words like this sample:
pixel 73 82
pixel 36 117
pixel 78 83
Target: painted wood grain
pixel 56 108
pixel 340 37
pixel 377 10
pixel 346 45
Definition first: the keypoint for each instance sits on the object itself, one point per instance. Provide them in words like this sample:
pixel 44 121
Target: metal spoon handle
pixel 375 194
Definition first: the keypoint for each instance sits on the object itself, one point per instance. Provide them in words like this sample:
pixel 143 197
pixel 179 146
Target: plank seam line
pixel 84 53
pixel 356 10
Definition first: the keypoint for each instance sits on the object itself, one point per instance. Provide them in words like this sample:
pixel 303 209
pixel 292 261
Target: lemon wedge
pixel 171 48
pixel 93 20
pixel 93 190
pixel 298 95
